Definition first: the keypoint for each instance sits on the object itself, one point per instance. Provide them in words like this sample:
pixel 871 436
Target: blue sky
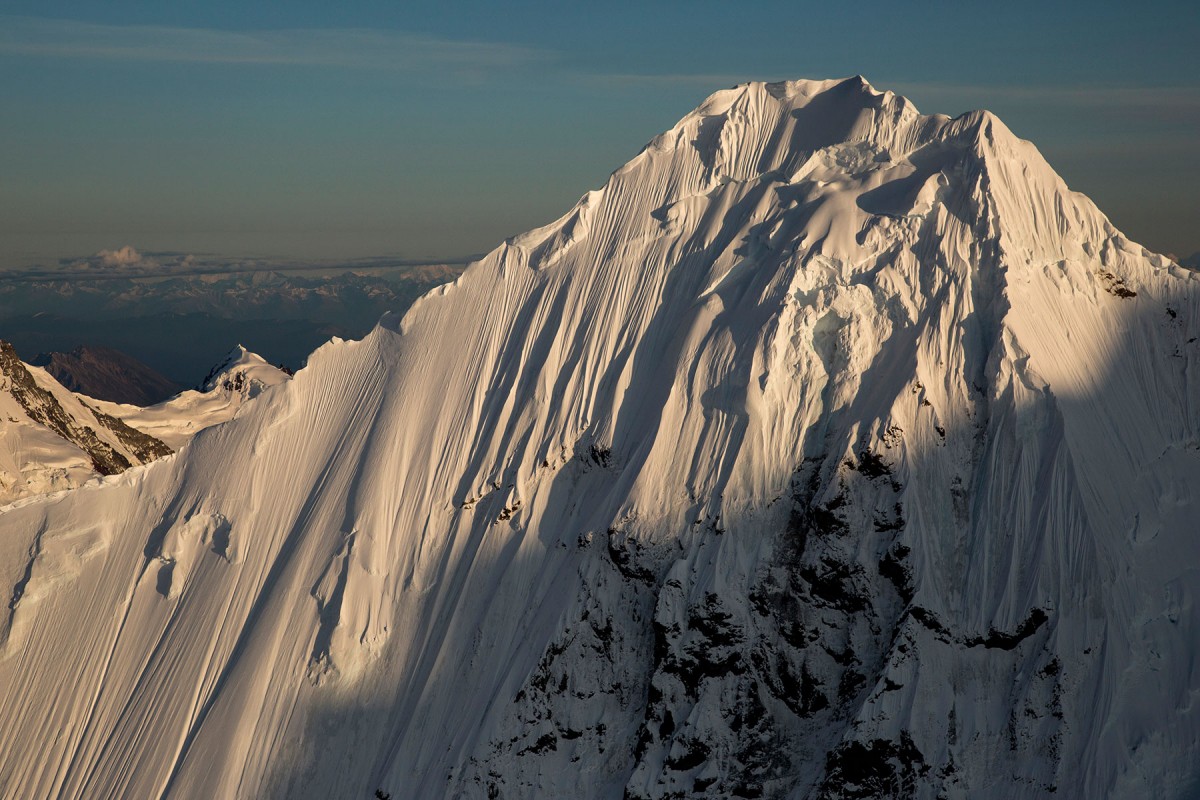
pixel 425 130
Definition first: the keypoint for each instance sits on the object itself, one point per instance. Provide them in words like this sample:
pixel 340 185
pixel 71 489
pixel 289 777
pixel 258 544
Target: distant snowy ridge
pixel 51 438
pixel 828 450
pixel 233 381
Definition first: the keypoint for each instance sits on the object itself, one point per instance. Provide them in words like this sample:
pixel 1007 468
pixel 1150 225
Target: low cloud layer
pixel 129 262
pixel 346 47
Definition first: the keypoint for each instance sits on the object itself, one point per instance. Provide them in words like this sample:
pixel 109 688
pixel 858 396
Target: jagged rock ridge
pixel 828 450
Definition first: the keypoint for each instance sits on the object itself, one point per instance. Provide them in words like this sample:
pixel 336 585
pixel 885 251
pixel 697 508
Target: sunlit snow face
pixel 751 469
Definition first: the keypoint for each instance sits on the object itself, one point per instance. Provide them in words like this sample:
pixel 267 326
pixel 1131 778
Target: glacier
pixel 828 450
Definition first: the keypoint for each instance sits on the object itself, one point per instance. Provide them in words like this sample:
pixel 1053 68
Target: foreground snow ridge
pixel 828 450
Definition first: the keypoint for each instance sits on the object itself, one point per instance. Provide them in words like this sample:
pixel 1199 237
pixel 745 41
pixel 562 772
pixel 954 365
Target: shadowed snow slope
pixel 102 372
pixel 828 450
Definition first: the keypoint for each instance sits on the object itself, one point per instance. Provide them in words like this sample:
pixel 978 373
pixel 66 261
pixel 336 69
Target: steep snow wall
pixel 829 449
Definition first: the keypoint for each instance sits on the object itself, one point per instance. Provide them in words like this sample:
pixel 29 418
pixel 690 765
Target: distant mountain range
pixel 179 326
pixel 108 374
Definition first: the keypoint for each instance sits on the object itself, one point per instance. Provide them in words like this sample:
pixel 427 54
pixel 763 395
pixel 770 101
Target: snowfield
pixel 827 450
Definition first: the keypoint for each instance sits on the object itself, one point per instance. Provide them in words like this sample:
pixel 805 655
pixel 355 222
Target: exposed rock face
pixel 829 450
pixel 107 374
pixel 145 448
pixel 107 444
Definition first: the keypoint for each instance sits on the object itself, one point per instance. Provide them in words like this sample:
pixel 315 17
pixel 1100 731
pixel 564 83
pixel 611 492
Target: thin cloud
pixel 713 81
pixel 347 47
pixel 1166 102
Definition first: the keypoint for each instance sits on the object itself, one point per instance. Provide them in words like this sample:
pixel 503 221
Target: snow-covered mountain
pixel 52 438
pixel 107 374
pixel 236 379
pixel 828 450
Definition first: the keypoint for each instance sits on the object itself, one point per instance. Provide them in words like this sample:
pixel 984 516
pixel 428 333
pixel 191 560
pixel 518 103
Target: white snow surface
pixel 36 460
pixel 828 450
pixel 239 377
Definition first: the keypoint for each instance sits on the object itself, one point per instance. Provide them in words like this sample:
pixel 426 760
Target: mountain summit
pixel 828 450
pixel 107 374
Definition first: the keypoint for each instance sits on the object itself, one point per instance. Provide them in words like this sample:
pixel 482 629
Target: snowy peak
pixel 827 450
pixel 755 128
pixel 242 372
pixel 232 359
pixel 235 381
pixel 799 204
pixel 838 153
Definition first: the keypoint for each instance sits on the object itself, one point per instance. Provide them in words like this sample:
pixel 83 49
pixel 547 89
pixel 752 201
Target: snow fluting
pixel 827 450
